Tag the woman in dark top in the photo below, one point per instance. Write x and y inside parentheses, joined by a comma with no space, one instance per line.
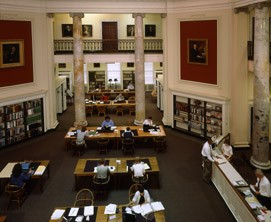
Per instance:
(18,177)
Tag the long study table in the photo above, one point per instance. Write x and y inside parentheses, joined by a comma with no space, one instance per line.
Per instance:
(99,215)
(120,170)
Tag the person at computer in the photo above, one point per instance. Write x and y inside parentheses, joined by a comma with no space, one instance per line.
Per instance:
(141,196)
(81,134)
(138,168)
(19,178)
(107,122)
(227,150)
(130,87)
(127,134)
(207,160)
(262,189)
(102,171)
(119,98)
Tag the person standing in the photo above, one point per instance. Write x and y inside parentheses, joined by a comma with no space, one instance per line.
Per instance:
(207,160)
(227,150)
(262,189)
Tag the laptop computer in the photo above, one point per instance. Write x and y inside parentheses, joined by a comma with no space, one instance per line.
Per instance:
(25,166)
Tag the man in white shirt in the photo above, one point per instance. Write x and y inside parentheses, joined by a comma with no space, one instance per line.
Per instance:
(262,189)
(227,150)
(130,87)
(141,196)
(207,161)
(138,168)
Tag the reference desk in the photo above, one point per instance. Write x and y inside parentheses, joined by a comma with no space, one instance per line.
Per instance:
(232,187)
(101,217)
(85,170)
(40,166)
(115,134)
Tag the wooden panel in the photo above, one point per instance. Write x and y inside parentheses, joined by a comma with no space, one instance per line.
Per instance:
(110,36)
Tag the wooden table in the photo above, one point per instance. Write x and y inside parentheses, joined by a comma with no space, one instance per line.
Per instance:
(120,169)
(6,172)
(101,217)
(115,136)
(111,94)
(110,103)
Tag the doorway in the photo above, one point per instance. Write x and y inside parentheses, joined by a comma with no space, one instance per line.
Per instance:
(110,36)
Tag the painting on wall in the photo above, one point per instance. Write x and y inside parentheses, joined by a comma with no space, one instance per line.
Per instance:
(12,53)
(87,30)
(130,30)
(150,30)
(67,30)
(197,51)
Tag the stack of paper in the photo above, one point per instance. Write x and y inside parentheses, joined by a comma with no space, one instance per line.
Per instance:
(157,206)
(110,209)
(57,214)
(40,170)
(88,210)
(146,209)
(137,209)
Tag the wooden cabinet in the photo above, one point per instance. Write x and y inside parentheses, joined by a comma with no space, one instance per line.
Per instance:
(21,121)
(199,117)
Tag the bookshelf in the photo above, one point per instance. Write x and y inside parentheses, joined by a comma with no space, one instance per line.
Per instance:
(127,77)
(21,121)
(199,117)
(96,79)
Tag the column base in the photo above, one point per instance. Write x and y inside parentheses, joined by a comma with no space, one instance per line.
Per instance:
(260,165)
(138,123)
(81,123)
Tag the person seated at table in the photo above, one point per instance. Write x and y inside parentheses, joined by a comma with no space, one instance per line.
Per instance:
(227,150)
(102,171)
(119,97)
(81,133)
(141,196)
(19,178)
(104,97)
(138,168)
(262,189)
(127,134)
(107,122)
(130,87)
(148,121)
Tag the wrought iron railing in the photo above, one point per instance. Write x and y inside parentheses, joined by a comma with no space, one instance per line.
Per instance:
(96,46)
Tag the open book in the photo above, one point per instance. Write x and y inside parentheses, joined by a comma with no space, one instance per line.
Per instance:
(148,208)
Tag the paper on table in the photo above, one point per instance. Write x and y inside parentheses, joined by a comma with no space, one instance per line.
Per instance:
(99,128)
(79,218)
(253,202)
(70,133)
(57,214)
(137,209)
(157,206)
(40,170)
(146,166)
(110,209)
(88,210)
(154,132)
(146,208)
(73,211)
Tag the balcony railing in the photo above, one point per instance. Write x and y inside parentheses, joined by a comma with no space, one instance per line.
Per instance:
(96,46)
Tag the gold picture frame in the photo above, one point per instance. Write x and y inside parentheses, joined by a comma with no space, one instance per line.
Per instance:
(197,51)
(12,53)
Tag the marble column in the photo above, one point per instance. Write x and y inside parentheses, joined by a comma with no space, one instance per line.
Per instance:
(139,69)
(260,135)
(78,60)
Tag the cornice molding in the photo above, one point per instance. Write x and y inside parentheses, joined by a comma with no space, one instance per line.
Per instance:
(248,8)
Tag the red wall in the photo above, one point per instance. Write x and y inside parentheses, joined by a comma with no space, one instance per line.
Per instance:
(12,30)
(199,30)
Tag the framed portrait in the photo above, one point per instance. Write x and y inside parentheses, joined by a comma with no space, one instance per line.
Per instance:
(130,30)
(67,30)
(197,51)
(12,53)
(87,30)
(150,30)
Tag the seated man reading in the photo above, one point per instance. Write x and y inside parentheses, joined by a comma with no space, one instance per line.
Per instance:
(107,123)
(141,196)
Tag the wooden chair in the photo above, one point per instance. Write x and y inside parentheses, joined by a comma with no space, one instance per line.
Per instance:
(101,110)
(132,191)
(78,149)
(132,110)
(159,143)
(84,197)
(89,110)
(103,145)
(140,180)
(16,194)
(128,145)
(119,110)
(101,186)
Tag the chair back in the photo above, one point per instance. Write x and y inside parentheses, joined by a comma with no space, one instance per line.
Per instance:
(99,181)
(16,194)
(103,144)
(132,191)
(160,143)
(128,145)
(84,197)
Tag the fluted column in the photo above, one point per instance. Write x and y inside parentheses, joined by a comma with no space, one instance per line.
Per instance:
(78,60)
(139,69)
(260,135)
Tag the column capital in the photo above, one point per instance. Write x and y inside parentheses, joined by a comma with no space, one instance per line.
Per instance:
(50,15)
(249,8)
(163,15)
(139,14)
(80,15)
